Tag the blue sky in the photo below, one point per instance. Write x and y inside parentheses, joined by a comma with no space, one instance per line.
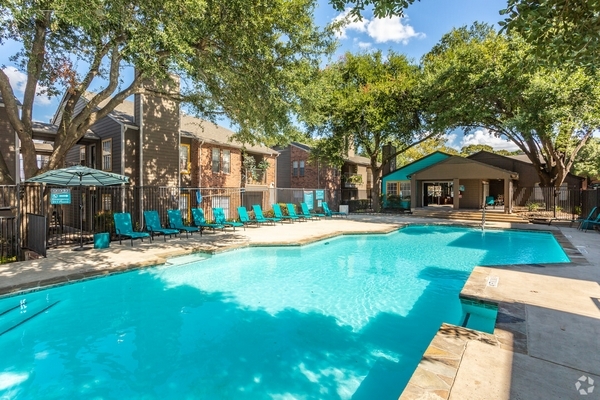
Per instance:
(425,23)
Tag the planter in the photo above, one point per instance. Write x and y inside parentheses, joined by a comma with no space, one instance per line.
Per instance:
(405,204)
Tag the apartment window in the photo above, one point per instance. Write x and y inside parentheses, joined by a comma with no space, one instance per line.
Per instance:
(295,168)
(106,202)
(107,155)
(301,168)
(392,189)
(184,158)
(216,160)
(226,161)
(82,155)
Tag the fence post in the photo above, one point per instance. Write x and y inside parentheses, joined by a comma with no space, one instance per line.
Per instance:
(18,221)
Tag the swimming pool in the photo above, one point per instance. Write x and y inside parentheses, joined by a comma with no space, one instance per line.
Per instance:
(343,318)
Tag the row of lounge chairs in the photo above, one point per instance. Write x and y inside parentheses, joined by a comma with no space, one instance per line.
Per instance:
(124,227)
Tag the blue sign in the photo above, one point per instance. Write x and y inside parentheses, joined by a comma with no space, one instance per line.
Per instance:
(320,194)
(308,199)
(60,196)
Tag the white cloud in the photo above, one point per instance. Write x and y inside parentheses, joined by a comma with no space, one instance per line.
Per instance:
(364,45)
(18,80)
(393,29)
(350,24)
(482,136)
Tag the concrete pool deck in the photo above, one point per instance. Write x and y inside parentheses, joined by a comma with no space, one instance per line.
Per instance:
(547,332)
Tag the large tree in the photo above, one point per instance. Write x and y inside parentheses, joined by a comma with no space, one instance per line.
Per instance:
(245,60)
(366,101)
(479,78)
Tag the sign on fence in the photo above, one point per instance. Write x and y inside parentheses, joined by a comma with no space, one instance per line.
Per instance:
(60,196)
(320,194)
(308,199)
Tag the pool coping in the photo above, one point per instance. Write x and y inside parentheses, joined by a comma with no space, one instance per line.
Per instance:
(436,373)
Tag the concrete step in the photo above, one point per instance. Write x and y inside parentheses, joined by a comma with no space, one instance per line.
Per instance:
(469,215)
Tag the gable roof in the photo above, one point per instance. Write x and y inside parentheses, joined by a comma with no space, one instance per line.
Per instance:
(209,132)
(44,131)
(404,172)
(190,127)
(519,157)
(470,169)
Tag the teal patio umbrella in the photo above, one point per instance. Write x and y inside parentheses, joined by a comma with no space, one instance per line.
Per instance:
(79,175)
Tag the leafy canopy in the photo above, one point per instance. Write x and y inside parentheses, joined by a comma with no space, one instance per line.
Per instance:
(366,101)
(479,78)
(562,32)
(244,60)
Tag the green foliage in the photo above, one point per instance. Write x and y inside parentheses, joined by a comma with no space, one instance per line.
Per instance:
(532,207)
(477,78)
(561,32)
(587,163)
(364,101)
(246,60)
(438,143)
(381,8)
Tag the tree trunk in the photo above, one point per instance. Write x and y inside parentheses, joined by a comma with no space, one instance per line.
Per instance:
(5,177)
(375,190)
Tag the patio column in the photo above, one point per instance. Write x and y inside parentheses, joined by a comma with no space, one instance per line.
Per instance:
(507,195)
(456,190)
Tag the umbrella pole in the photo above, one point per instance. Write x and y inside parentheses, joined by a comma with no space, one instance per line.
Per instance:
(80,218)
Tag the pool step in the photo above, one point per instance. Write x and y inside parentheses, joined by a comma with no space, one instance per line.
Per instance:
(16,316)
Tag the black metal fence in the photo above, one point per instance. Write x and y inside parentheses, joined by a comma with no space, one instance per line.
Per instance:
(557,203)
(91,209)
(8,239)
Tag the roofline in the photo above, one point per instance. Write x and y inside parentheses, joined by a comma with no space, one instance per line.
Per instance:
(519,161)
(422,158)
(511,173)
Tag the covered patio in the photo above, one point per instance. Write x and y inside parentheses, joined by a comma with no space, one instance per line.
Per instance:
(462,183)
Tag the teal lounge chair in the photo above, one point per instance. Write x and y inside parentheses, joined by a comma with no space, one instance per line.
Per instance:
(245,218)
(590,223)
(200,221)
(124,228)
(176,222)
(279,214)
(221,219)
(589,218)
(258,214)
(292,211)
(306,211)
(330,213)
(154,226)
(489,201)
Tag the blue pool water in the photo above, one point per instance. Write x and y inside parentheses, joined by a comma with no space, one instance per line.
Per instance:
(343,318)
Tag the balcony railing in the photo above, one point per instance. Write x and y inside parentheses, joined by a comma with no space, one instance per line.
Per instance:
(352,180)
